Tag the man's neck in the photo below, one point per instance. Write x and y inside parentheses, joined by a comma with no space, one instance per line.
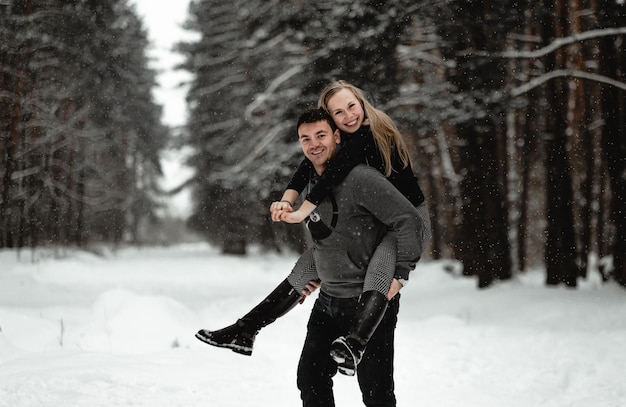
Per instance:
(319,170)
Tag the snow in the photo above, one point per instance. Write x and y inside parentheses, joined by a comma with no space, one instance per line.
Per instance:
(78,329)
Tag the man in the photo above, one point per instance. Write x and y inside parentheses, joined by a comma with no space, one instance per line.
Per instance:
(346,229)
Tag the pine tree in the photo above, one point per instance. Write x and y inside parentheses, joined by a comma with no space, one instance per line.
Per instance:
(84,132)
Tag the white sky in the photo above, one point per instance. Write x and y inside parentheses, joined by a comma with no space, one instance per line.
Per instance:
(164,24)
(164,21)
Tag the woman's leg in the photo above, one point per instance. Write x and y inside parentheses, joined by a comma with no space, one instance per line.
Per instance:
(304,271)
(240,336)
(382,266)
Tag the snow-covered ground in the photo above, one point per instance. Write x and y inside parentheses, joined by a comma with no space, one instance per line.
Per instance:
(83,330)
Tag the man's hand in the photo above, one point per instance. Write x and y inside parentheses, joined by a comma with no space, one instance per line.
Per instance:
(394,289)
(310,287)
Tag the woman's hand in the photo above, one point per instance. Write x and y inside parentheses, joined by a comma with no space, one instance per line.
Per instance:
(293,217)
(300,215)
(285,205)
(279,208)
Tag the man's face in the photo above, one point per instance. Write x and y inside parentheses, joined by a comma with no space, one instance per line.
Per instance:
(318,142)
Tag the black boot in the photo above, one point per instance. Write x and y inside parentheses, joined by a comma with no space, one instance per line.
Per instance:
(347,351)
(239,337)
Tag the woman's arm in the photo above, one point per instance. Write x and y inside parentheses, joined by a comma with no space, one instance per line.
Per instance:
(357,148)
(296,185)
(300,178)
(298,216)
(290,196)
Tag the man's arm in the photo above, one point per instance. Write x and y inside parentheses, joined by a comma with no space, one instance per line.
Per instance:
(378,196)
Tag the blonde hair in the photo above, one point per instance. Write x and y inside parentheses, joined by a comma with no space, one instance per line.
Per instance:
(386,134)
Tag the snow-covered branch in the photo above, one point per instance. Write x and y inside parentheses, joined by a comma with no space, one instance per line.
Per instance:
(260,147)
(562,42)
(540,80)
(421,53)
(215,87)
(262,97)
(553,46)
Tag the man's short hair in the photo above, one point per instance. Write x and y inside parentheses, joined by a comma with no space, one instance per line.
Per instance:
(315,115)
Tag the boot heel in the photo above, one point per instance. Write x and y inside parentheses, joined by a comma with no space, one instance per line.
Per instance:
(345,356)
(232,337)
(348,351)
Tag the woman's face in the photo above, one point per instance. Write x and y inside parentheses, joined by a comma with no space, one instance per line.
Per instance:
(346,111)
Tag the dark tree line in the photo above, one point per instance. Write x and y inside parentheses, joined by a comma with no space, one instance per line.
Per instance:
(80,134)
(515,111)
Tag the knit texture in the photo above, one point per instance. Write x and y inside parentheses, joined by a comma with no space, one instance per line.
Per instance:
(382,266)
(304,271)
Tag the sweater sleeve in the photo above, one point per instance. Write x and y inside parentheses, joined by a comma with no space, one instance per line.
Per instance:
(378,196)
(354,150)
(300,178)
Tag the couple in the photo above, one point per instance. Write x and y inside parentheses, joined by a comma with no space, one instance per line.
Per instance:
(368,234)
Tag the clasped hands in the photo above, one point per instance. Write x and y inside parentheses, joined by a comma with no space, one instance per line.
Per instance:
(283,211)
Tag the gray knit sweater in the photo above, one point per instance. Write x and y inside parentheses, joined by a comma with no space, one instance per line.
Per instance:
(367,204)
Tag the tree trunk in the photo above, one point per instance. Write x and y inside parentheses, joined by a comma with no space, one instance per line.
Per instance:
(578,145)
(560,244)
(614,146)
(483,245)
(431,186)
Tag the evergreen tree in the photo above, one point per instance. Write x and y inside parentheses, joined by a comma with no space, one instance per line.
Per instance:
(472,33)
(503,102)
(236,124)
(83,133)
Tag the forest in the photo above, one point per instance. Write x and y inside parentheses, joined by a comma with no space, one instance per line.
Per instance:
(81,135)
(514,112)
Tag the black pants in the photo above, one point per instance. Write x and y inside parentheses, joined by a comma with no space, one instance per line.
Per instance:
(331,317)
